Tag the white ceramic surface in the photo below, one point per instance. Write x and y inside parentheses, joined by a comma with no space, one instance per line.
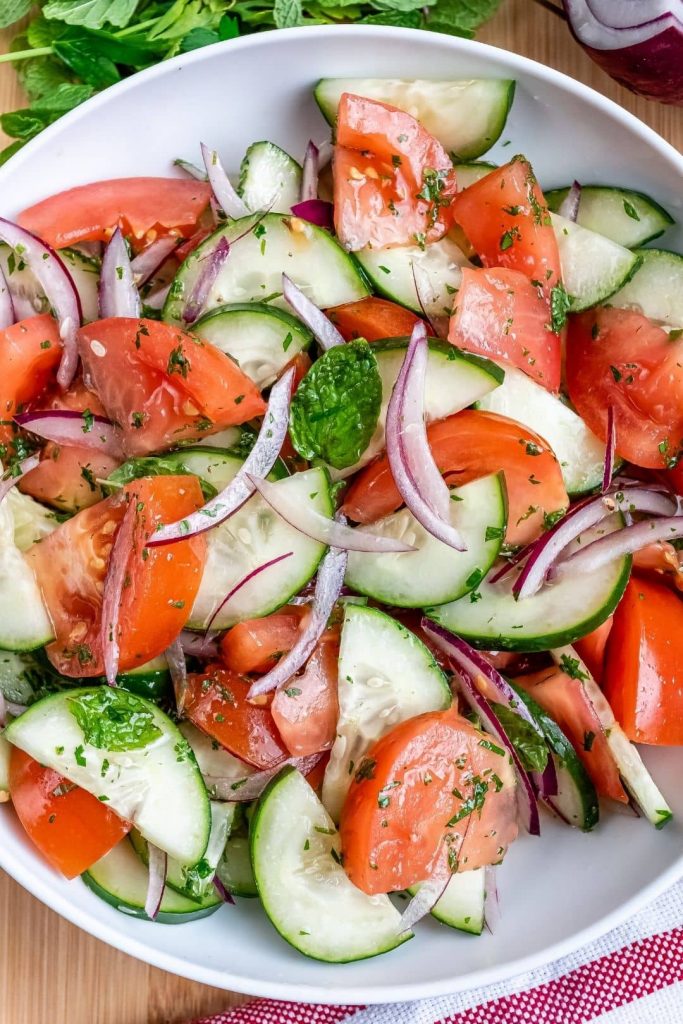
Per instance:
(558,891)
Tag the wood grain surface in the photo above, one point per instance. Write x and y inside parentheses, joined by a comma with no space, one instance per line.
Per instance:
(52,973)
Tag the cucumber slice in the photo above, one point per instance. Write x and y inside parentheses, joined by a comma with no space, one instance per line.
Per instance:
(213,760)
(557,614)
(593,267)
(252,536)
(466,117)
(269,178)
(28,296)
(151,680)
(434,573)
(5,751)
(386,675)
(231,437)
(462,904)
(32,521)
(438,269)
(627,217)
(24,622)
(120,879)
(234,869)
(634,774)
(305,891)
(158,786)
(580,453)
(656,289)
(261,249)
(261,339)
(468,174)
(576,799)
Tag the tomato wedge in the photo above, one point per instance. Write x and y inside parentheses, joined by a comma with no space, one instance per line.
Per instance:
(306,711)
(591,648)
(256,644)
(373,319)
(619,358)
(565,700)
(217,704)
(67,477)
(142,207)
(465,447)
(643,678)
(499,314)
(393,182)
(162,385)
(432,790)
(30,352)
(71,828)
(662,559)
(71,566)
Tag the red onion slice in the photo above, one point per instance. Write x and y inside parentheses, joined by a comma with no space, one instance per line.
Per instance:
(309,177)
(415,473)
(222,891)
(425,899)
(491,900)
(113,589)
(258,463)
(212,264)
(315,211)
(157,866)
(226,197)
(569,207)
(242,583)
(175,656)
(7,314)
(152,257)
(197,645)
(56,282)
(68,427)
(251,786)
(616,545)
(328,586)
(8,482)
(321,326)
(3,710)
(117,292)
(610,450)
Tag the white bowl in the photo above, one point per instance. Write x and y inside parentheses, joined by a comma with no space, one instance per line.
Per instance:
(558,891)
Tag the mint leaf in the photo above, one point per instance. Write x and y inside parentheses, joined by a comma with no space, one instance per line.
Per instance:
(529,744)
(41,32)
(460,17)
(197,38)
(400,19)
(287,13)
(42,76)
(336,406)
(113,719)
(13,10)
(91,13)
(84,59)
(62,99)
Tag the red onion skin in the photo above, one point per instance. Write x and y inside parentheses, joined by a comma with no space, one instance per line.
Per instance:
(315,211)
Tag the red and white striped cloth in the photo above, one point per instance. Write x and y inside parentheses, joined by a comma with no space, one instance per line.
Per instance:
(632,975)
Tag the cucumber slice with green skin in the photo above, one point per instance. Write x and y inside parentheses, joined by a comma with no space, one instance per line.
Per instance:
(438,269)
(120,879)
(386,675)
(234,869)
(634,774)
(261,339)
(462,904)
(593,267)
(434,573)
(576,799)
(5,751)
(467,117)
(158,787)
(32,521)
(213,760)
(469,174)
(24,622)
(151,680)
(557,614)
(656,289)
(231,437)
(248,539)
(29,298)
(580,453)
(307,895)
(269,178)
(261,249)
(627,217)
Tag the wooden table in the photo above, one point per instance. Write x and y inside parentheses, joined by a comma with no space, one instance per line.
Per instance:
(49,970)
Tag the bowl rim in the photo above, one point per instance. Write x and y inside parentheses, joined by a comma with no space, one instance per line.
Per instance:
(342,993)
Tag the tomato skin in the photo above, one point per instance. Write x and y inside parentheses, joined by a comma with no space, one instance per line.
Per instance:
(620,358)
(71,566)
(643,679)
(307,719)
(217,704)
(444,749)
(374,319)
(499,314)
(72,830)
(30,352)
(467,446)
(591,648)
(384,159)
(66,477)
(142,207)
(162,385)
(252,645)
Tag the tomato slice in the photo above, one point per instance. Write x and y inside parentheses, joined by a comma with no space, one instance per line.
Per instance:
(619,358)
(663,560)
(499,314)
(306,711)
(162,385)
(67,477)
(217,704)
(142,207)
(30,352)
(71,566)
(255,644)
(465,447)
(591,648)
(431,790)
(373,319)
(393,182)
(565,700)
(71,828)
(505,217)
(643,679)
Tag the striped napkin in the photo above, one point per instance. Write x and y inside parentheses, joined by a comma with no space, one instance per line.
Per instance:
(632,975)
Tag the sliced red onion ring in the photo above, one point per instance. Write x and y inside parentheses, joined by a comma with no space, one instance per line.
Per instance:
(230,203)
(212,264)
(615,545)
(175,656)
(197,645)
(153,256)
(425,899)
(421,282)
(242,583)
(415,473)
(157,866)
(7,314)
(56,282)
(309,177)
(251,786)
(190,168)
(315,211)
(3,710)
(569,207)
(258,463)
(222,891)
(117,292)
(7,483)
(491,901)
(327,589)
(68,427)
(610,450)
(113,589)
(322,327)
